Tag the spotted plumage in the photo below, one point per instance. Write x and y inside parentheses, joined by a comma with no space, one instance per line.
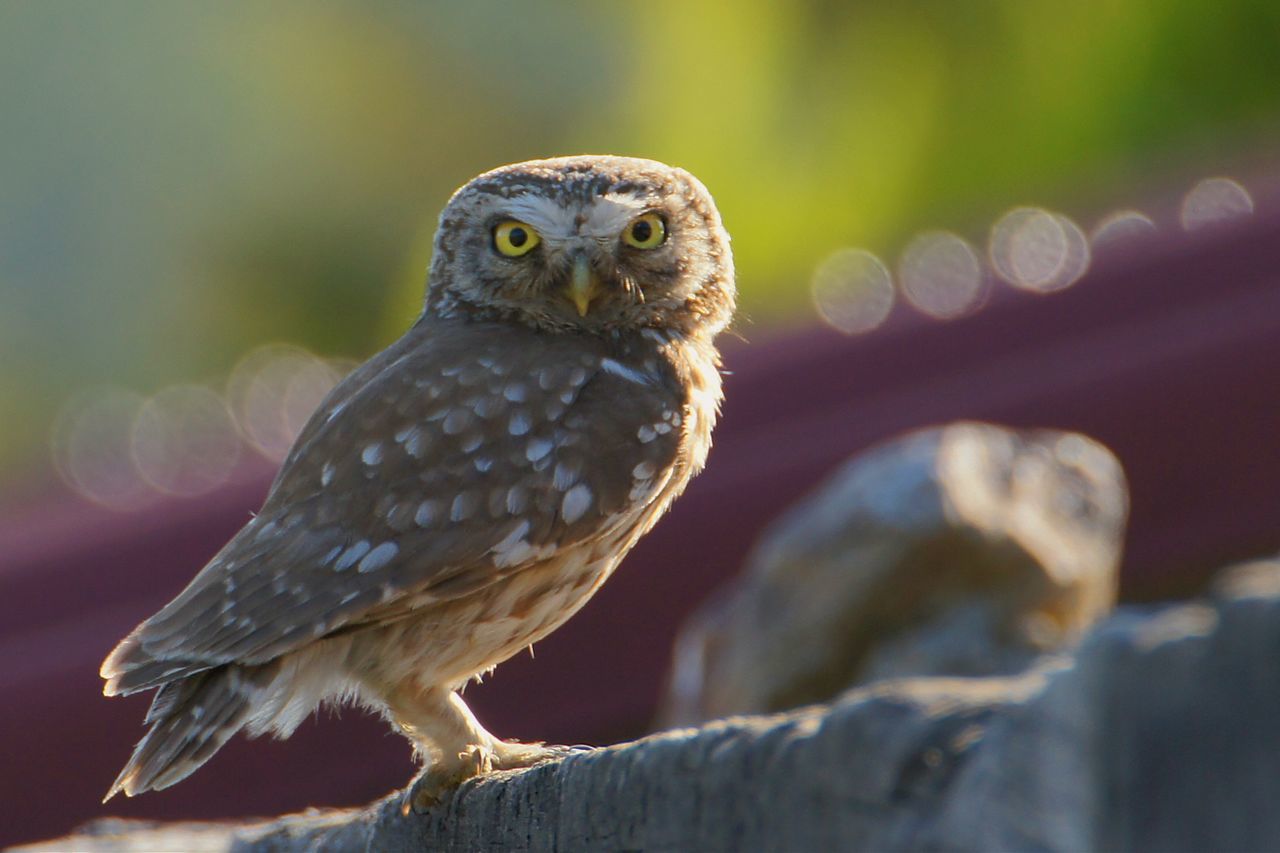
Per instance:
(462,493)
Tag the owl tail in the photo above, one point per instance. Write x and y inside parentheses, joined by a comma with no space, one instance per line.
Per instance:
(190,720)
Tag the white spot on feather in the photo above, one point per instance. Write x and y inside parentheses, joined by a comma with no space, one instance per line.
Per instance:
(517,499)
(644,490)
(463,505)
(619,369)
(426,514)
(379,557)
(326,474)
(372,454)
(536,449)
(514,549)
(351,555)
(576,503)
(566,475)
(520,423)
(512,539)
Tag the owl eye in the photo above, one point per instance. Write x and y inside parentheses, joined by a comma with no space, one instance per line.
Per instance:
(646,232)
(513,238)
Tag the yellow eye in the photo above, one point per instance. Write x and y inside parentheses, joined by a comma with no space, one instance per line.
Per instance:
(514,239)
(646,232)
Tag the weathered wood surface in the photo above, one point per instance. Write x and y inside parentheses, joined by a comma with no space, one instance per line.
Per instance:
(1159,733)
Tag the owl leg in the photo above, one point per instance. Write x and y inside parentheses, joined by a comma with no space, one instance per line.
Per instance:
(455,744)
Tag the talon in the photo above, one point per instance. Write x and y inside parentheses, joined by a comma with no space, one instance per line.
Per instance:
(440,779)
(479,760)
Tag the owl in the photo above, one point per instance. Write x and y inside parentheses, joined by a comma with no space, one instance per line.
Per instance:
(461,494)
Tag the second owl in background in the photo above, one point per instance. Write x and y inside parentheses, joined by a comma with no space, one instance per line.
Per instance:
(465,491)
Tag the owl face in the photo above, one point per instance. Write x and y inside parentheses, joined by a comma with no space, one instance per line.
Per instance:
(592,244)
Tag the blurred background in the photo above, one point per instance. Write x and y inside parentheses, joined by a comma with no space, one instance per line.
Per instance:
(209,211)
(183,182)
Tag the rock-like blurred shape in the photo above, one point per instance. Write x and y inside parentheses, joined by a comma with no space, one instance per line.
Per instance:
(965,550)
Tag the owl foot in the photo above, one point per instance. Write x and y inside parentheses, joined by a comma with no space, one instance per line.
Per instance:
(439,778)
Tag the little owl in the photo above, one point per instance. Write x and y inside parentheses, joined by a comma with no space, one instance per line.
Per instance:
(465,491)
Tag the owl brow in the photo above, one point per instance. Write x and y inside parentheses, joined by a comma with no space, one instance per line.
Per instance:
(546,216)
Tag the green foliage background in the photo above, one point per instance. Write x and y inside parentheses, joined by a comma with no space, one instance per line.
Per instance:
(180,181)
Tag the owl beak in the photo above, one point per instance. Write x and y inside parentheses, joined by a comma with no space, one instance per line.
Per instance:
(583,284)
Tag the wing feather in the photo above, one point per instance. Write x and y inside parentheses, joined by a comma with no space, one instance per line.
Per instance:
(429,471)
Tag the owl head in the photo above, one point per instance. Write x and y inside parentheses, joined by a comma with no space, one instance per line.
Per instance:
(585,244)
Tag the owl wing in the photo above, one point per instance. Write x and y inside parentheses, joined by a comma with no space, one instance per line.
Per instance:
(461,454)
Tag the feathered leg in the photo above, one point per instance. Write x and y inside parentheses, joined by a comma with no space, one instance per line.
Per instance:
(454,744)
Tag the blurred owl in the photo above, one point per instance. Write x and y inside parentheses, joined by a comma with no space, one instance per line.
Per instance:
(465,491)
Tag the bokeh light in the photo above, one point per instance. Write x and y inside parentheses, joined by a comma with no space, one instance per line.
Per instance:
(1215,200)
(1038,250)
(941,275)
(331,134)
(184,441)
(273,390)
(92,447)
(1122,227)
(853,291)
